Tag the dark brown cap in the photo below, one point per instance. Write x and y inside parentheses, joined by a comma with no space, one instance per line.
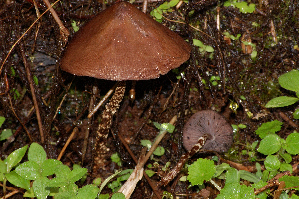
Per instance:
(213,124)
(123,43)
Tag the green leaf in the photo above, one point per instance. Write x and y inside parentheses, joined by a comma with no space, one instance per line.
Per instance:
(167,127)
(236,191)
(39,188)
(268,128)
(272,163)
(37,153)
(270,144)
(88,191)
(62,171)
(74,26)
(159,151)
(220,169)
(49,167)
(2,119)
(198,43)
(232,176)
(150,173)
(115,158)
(287,157)
(146,143)
(290,80)
(281,101)
(104,196)
(77,174)
(296,114)
(292,143)
(118,196)
(35,79)
(173,3)
(246,175)
(15,157)
(209,49)
(6,133)
(294,196)
(244,8)
(17,180)
(290,181)
(29,170)
(201,170)
(286,167)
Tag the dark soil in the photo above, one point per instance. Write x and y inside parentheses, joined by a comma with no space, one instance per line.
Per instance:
(63,99)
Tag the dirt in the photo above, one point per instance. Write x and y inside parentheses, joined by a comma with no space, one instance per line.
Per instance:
(246,83)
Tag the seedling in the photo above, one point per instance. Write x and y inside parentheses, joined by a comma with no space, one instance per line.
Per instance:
(242,6)
(163,8)
(203,48)
(288,81)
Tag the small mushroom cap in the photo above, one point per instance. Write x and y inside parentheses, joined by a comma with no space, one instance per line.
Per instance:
(212,123)
(123,43)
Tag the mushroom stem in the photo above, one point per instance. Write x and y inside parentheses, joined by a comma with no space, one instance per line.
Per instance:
(171,175)
(101,149)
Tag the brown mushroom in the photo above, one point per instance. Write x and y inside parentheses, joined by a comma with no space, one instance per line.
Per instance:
(123,43)
(212,124)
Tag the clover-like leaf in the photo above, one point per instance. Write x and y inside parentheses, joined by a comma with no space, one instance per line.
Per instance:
(201,170)
(37,153)
(29,170)
(292,143)
(236,191)
(270,144)
(272,163)
(15,157)
(268,128)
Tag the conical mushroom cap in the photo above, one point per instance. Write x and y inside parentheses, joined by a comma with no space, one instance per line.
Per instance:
(123,43)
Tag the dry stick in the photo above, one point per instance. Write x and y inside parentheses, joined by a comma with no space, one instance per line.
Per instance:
(68,142)
(156,143)
(144,6)
(136,175)
(102,101)
(153,186)
(10,194)
(15,44)
(29,77)
(171,175)
(63,29)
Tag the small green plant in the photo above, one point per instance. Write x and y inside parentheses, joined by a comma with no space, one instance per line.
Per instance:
(5,133)
(288,81)
(203,48)
(163,8)
(242,6)
(232,37)
(42,177)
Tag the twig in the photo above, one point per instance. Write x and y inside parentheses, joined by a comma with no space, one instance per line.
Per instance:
(178,167)
(63,30)
(23,125)
(67,142)
(29,77)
